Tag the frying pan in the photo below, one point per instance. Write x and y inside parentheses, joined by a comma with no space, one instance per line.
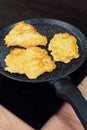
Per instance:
(58,78)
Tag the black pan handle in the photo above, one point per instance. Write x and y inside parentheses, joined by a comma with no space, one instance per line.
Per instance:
(70,93)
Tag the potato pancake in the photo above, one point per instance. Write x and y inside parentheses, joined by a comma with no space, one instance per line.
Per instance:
(32,62)
(63,47)
(24,35)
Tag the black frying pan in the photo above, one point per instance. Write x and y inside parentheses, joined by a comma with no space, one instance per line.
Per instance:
(58,78)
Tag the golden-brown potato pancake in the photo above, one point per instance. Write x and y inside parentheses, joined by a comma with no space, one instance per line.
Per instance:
(63,47)
(33,62)
(24,35)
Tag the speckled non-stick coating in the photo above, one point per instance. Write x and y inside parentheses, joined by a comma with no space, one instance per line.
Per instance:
(46,27)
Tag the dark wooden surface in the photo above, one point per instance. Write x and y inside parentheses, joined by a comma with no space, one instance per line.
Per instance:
(38,100)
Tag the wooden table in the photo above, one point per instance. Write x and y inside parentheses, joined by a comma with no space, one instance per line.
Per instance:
(65,119)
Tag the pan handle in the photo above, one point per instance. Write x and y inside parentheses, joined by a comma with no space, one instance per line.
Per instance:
(70,93)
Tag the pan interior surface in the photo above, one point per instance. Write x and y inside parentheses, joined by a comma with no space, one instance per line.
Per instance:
(47,27)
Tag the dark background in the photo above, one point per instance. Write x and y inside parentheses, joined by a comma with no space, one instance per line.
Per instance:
(36,103)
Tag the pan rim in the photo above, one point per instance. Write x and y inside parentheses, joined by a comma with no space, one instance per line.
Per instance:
(51,21)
